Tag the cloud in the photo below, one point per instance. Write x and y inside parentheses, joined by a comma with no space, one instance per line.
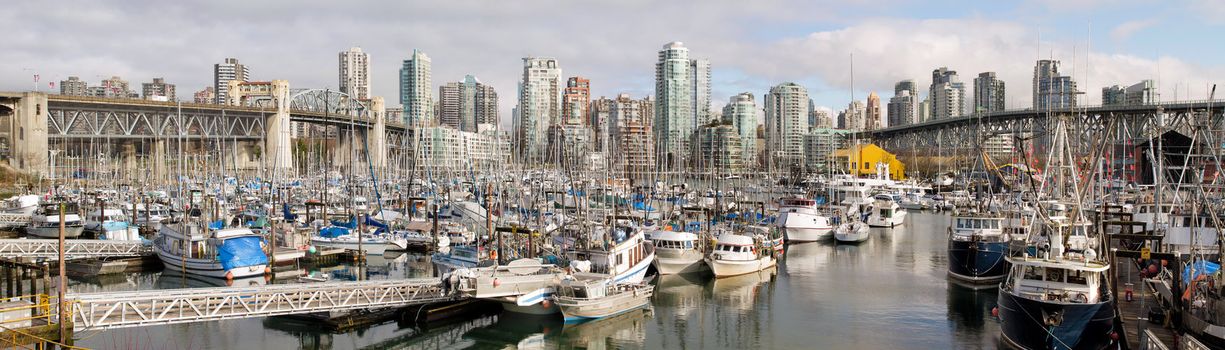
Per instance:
(1212,11)
(1127,29)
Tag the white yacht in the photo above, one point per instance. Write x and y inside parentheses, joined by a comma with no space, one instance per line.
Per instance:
(885,211)
(150,216)
(852,231)
(45,223)
(677,252)
(459,257)
(737,254)
(801,221)
(348,239)
(230,253)
(24,204)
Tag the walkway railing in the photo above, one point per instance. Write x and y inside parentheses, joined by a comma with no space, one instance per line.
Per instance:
(97,311)
(73,249)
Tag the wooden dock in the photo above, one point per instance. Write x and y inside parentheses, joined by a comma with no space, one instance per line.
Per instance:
(1135,314)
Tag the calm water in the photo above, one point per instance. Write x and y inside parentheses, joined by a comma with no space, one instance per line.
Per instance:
(889,292)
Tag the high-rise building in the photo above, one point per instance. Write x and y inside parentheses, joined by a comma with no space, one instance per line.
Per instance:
(819,118)
(539,106)
(74,86)
(872,116)
(598,116)
(786,123)
(1114,95)
(674,115)
(853,116)
(947,94)
(924,110)
(576,101)
(158,90)
(988,93)
(416,90)
(449,110)
(741,111)
(819,147)
(355,73)
(717,147)
(1052,90)
(699,77)
(482,100)
(223,73)
(904,105)
(207,95)
(631,148)
(115,87)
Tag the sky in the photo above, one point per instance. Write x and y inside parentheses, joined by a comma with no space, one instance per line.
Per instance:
(752,45)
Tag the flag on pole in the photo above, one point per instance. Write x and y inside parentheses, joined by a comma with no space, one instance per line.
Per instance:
(36,78)
(52,84)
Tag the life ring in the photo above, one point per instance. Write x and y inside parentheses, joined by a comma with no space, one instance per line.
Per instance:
(1081,298)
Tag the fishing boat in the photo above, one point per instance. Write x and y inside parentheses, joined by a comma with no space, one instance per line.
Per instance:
(111,224)
(151,216)
(885,211)
(459,257)
(977,247)
(230,253)
(737,254)
(372,244)
(584,298)
(45,223)
(626,260)
(677,252)
(24,205)
(801,221)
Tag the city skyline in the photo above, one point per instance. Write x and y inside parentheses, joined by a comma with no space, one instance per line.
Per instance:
(1125,42)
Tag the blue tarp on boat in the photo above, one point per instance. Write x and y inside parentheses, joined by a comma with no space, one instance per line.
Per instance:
(1201,268)
(241,252)
(333,232)
(216,225)
(372,222)
(351,224)
(288,216)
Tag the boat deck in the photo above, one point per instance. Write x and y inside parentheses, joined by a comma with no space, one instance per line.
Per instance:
(1135,313)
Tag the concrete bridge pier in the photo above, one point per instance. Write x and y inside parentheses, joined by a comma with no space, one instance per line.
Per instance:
(378,137)
(29,134)
(279,155)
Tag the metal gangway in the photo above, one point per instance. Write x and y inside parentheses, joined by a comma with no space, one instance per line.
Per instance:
(13,220)
(73,248)
(110,310)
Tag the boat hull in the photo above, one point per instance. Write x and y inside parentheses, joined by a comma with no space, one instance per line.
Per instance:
(978,262)
(1023,324)
(375,248)
(207,268)
(54,231)
(588,310)
(728,268)
(672,262)
(808,234)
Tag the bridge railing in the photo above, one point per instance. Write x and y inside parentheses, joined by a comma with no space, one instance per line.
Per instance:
(73,249)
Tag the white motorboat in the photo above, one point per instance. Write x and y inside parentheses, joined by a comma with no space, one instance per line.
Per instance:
(372,244)
(459,257)
(584,298)
(801,221)
(24,204)
(738,254)
(229,253)
(45,223)
(885,211)
(150,216)
(677,252)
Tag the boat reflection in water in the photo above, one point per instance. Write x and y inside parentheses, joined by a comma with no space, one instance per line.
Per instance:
(969,310)
(627,330)
(523,331)
(741,292)
(170,279)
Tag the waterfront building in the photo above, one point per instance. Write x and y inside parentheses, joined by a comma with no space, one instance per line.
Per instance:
(539,106)
(741,111)
(872,116)
(569,143)
(74,86)
(467,104)
(449,110)
(988,93)
(576,101)
(924,112)
(158,90)
(450,149)
(598,116)
(869,160)
(224,73)
(1114,95)
(819,118)
(999,147)
(904,104)
(819,147)
(716,148)
(1052,90)
(416,90)
(947,94)
(786,123)
(114,87)
(674,115)
(354,68)
(207,95)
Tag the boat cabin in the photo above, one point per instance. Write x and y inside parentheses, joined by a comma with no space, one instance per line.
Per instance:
(1062,282)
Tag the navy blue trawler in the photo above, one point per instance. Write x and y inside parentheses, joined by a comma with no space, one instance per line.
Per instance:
(978,247)
(1055,295)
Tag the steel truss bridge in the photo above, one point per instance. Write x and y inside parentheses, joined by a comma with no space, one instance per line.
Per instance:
(1088,123)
